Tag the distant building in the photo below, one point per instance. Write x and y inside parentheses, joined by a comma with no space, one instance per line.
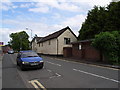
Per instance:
(34,43)
(54,43)
(5,49)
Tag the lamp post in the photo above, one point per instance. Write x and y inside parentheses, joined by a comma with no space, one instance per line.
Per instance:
(30,30)
(31,36)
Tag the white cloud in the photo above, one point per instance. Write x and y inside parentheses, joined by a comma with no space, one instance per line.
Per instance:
(14,7)
(4,34)
(55,4)
(38,28)
(7,5)
(74,22)
(40,9)
(93,2)
(27,5)
(56,16)
(70,5)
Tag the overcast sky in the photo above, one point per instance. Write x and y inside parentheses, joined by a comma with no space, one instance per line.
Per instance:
(43,17)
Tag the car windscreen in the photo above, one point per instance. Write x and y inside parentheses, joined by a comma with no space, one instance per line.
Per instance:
(29,54)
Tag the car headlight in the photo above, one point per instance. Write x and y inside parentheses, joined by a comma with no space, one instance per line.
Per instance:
(41,61)
(25,62)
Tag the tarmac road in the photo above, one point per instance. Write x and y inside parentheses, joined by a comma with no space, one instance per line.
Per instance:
(58,73)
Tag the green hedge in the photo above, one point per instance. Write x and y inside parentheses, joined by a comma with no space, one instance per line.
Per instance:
(109,44)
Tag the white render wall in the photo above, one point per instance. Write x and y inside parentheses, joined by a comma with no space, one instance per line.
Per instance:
(48,49)
(66,34)
(34,46)
(52,48)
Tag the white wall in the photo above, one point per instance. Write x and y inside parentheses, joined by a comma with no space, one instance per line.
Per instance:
(66,34)
(34,46)
(52,48)
(48,49)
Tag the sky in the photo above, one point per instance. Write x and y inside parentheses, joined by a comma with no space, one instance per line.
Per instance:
(43,17)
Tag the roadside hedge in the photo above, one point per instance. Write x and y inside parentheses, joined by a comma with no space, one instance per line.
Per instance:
(108,43)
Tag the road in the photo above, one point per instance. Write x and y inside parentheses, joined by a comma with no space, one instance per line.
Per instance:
(58,73)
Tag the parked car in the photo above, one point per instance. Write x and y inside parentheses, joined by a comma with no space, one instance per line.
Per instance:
(29,59)
(10,52)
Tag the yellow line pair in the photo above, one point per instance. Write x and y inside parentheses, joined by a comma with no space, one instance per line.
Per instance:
(35,83)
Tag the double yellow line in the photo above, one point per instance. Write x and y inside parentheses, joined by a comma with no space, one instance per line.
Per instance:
(37,85)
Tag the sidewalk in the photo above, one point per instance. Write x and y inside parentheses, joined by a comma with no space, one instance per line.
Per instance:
(86,62)
(1,56)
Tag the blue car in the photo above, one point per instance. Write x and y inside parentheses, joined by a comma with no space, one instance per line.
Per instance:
(29,59)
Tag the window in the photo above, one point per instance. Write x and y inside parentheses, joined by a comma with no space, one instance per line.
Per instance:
(39,44)
(66,40)
(42,44)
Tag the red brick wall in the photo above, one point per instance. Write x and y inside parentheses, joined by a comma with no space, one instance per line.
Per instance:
(87,52)
(77,53)
(91,54)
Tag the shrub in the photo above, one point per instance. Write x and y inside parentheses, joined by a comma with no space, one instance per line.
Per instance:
(106,43)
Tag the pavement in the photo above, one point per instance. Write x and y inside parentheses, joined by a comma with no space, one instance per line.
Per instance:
(1,56)
(10,76)
(86,62)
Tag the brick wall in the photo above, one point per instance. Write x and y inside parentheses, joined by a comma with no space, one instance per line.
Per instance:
(91,53)
(87,52)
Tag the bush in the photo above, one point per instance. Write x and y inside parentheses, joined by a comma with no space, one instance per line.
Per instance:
(108,43)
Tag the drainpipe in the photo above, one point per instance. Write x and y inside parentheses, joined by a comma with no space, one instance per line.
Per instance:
(57,47)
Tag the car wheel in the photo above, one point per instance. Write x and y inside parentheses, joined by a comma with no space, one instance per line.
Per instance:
(22,68)
(40,67)
(17,63)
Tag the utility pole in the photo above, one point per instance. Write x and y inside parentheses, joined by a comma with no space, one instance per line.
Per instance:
(31,36)
(30,30)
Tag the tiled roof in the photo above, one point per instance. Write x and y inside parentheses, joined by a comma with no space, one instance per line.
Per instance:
(54,35)
(37,38)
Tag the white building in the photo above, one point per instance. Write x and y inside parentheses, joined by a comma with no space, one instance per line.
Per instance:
(53,44)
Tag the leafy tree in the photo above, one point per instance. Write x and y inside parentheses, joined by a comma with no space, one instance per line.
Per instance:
(101,19)
(19,41)
(117,35)
(93,24)
(108,44)
(113,17)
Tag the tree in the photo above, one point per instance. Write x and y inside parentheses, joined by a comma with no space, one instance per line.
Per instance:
(101,19)
(107,43)
(113,17)
(93,24)
(19,41)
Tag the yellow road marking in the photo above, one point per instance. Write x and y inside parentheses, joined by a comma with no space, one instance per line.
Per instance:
(40,84)
(33,82)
